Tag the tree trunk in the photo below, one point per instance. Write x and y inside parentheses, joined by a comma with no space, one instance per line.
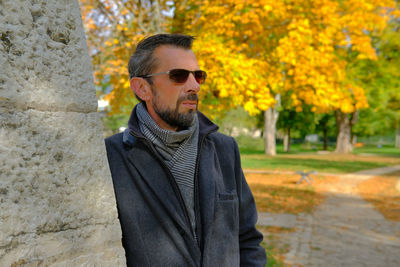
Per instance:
(397,142)
(354,139)
(286,141)
(270,118)
(325,137)
(343,141)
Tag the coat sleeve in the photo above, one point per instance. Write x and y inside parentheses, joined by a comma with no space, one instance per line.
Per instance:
(251,252)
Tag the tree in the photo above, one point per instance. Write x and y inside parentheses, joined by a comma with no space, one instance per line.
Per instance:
(389,59)
(326,125)
(229,84)
(239,30)
(290,122)
(307,46)
(115,26)
(254,51)
(381,79)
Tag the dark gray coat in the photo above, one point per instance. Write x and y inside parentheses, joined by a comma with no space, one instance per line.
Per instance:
(155,225)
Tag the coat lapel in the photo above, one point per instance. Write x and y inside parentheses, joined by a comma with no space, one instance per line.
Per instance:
(154,175)
(206,176)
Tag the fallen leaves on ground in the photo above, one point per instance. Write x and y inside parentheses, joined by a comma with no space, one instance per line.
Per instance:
(382,193)
(280,193)
(277,244)
(276,229)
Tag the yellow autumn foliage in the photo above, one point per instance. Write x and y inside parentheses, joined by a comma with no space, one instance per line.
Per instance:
(251,50)
(304,44)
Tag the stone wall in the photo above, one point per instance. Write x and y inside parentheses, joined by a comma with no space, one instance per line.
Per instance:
(57,205)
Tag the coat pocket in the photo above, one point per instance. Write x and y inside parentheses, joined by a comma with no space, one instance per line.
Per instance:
(227,196)
(227,209)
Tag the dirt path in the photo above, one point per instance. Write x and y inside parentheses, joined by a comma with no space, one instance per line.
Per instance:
(345,230)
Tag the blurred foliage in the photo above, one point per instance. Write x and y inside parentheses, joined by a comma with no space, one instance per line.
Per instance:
(381,79)
(113,123)
(236,119)
(320,55)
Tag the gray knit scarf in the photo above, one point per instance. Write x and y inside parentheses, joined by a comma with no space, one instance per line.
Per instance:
(179,151)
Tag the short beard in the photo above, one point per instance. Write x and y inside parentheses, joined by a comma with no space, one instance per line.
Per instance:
(174,118)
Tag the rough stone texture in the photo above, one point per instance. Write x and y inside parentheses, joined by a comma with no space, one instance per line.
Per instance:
(57,204)
(43,56)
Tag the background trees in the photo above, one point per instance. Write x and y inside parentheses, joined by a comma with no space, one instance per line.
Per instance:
(266,56)
(113,28)
(381,80)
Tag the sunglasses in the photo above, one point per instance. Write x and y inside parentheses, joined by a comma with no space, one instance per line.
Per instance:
(181,75)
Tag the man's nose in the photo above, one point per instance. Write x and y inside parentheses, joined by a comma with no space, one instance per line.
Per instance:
(191,84)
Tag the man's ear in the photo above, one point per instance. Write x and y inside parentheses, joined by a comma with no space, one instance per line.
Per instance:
(141,88)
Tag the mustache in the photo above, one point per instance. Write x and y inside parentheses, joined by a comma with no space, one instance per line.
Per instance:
(191,97)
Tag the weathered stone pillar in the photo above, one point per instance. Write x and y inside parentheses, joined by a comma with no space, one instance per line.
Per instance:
(57,205)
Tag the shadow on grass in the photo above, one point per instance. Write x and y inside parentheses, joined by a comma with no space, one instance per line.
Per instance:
(293,164)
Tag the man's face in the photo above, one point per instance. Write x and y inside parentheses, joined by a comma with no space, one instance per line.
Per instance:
(173,105)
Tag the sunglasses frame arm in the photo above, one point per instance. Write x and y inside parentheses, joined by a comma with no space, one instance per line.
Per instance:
(153,74)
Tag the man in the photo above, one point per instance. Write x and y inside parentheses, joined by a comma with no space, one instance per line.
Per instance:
(181,195)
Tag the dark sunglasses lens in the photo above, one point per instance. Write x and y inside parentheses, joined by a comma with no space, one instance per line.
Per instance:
(178,75)
(181,75)
(200,76)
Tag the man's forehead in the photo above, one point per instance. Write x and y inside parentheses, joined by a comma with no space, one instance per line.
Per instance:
(169,48)
(174,57)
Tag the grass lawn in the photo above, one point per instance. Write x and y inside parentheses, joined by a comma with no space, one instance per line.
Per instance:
(389,151)
(248,145)
(305,157)
(331,162)
(322,163)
